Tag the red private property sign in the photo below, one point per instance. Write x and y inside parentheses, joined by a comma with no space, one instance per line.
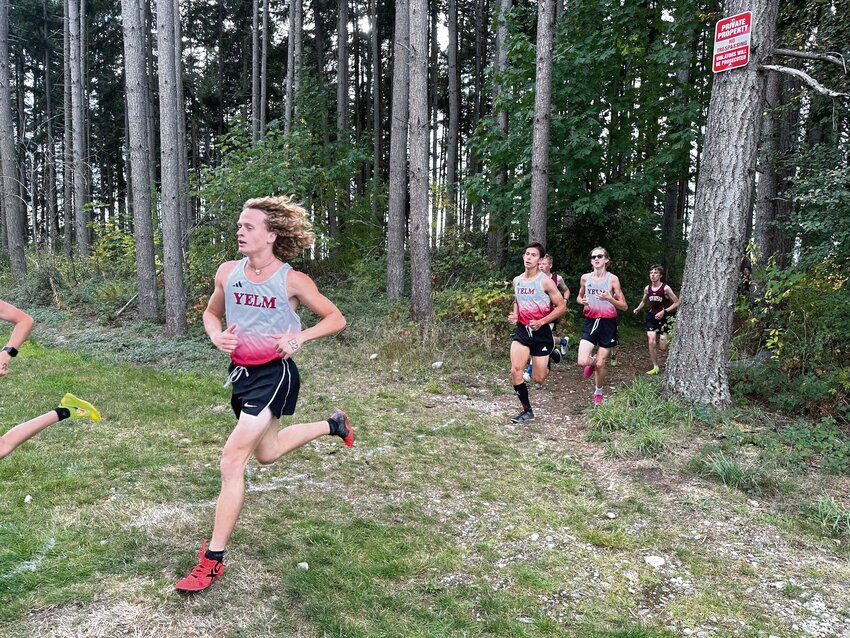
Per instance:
(732,42)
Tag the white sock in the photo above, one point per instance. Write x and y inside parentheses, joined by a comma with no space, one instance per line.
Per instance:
(598,390)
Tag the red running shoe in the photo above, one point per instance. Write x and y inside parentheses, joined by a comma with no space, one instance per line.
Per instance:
(588,370)
(341,427)
(597,399)
(204,574)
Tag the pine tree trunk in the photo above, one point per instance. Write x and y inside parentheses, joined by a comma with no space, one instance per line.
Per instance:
(264,70)
(14,219)
(454,120)
(397,204)
(78,125)
(420,255)
(290,71)
(67,140)
(542,117)
(495,231)
(376,109)
(132,12)
(697,367)
(255,74)
(169,107)
(50,145)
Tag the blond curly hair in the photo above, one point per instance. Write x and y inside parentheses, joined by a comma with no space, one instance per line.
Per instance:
(288,220)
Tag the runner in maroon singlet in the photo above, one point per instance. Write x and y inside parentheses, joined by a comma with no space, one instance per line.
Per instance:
(662,303)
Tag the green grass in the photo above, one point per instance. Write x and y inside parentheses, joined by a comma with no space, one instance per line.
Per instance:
(439,522)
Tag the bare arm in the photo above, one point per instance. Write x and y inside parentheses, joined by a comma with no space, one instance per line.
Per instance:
(562,286)
(581,298)
(214,314)
(23,324)
(617,298)
(513,317)
(331,319)
(644,300)
(672,296)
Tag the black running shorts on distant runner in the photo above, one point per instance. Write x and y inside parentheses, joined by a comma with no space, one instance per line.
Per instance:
(539,342)
(272,385)
(600,332)
(654,325)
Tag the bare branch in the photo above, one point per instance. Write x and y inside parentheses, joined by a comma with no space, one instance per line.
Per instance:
(805,55)
(817,86)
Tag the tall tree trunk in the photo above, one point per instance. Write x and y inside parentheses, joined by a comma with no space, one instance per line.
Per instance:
(182,152)
(67,139)
(290,71)
(338,207)
(542,117)
(264,70)
(678,168)
(420,254)
(14,218)
(299,55)
(169,108)
(255,74)
(764,210)
(376,109)
(132,13)
(434,68)
(78,125)
(397,204)
(495,231)
(697,367)
(454,120)
(49,147)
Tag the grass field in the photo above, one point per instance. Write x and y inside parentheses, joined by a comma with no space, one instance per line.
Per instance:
(441,521)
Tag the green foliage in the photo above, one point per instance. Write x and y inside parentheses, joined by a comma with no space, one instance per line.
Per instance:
(640,407)
(299,165)
(829,516)
(750,477)
(485,305)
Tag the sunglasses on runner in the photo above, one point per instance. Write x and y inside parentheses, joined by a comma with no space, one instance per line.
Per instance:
(597,256)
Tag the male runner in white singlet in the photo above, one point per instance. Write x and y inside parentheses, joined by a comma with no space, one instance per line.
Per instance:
(602,297)
(538,303)
(258,296)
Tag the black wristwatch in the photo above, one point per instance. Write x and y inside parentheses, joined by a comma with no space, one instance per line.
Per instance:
(13,352)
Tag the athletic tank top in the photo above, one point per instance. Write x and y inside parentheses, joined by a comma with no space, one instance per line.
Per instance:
(657,299)
(261,312)
(533,302)
(596,308)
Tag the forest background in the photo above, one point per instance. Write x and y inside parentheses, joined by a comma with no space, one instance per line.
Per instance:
(429,142)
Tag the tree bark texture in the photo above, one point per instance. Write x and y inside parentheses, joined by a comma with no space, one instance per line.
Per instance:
(397,204)
(255,73)
(420,255)
(697,366)
(495,230)
(78,127)
(67,141)
(542,117)
(132,13)
(169,109)
(454,120)
(15,222)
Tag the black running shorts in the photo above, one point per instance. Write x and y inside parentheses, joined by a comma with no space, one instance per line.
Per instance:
(272,385)
(539,342)
(654,325)
(600,332)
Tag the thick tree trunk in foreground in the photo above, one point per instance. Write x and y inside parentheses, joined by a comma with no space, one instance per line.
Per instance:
(420,255)
(697,367)
(397,204)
